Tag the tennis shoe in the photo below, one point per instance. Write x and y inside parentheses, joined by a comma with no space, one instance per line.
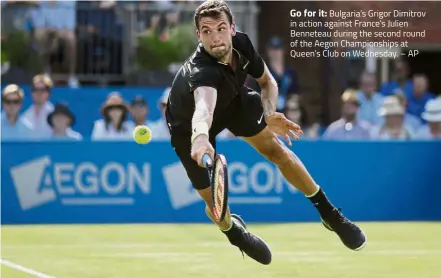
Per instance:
(350,234)
(248,243)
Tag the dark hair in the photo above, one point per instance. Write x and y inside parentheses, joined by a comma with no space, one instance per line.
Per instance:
(212,8)
(107,120)
(304,119)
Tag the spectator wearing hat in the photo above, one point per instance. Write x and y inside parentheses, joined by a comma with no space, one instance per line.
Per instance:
(348,127)
(410,120)
(37,113)
(13,126)
(61,120)
(420,95)
(393,127)
(370,100)
(114,126)
(159,128)
(139,110)
(432,115)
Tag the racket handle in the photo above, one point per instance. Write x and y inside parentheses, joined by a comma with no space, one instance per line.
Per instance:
(206,160)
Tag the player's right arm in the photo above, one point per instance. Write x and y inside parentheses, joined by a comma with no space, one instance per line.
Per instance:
(205,103)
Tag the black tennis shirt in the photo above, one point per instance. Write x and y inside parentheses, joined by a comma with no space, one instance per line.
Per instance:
(201,69)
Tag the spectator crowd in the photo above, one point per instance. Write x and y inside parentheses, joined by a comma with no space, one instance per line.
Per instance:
(402,109)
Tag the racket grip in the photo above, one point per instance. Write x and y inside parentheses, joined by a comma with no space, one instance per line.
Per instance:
(206,160)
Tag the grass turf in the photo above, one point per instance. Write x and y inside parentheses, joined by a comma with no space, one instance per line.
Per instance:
(401,250)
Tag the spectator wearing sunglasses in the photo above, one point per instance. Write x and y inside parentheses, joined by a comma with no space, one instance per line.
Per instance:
(14,127)
(41,107)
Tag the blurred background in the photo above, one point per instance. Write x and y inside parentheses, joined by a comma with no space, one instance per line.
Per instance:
(77,77)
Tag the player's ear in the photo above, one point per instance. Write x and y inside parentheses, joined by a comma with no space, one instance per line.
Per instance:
(233,29)
(198,34)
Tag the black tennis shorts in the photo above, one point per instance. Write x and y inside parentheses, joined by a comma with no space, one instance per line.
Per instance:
(243,117)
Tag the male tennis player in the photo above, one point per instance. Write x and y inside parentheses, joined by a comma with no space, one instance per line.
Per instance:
(208,96)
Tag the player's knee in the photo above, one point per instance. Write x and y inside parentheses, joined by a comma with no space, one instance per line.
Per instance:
(276,153)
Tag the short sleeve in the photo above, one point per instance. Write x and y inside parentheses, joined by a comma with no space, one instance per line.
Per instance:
(256,66)
(208,76)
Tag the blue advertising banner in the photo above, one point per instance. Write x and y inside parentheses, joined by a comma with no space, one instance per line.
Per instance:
(88,182)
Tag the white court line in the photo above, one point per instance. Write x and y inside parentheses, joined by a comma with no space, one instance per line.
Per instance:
(301,254)
(366,252)
(24,269)
(221,243)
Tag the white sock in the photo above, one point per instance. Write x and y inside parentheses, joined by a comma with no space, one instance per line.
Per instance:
(313,194)
(229,227)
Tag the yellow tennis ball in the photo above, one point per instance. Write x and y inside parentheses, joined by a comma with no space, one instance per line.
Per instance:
(142,134)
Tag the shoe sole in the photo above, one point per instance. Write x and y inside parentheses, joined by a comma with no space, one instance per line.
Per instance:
(364,243)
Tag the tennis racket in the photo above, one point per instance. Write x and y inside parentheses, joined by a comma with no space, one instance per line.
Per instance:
(218,175)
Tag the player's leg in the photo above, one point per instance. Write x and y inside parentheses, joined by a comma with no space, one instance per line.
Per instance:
(267,144)
(232,226)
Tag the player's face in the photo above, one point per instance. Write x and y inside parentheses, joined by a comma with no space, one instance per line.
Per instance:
(216,35)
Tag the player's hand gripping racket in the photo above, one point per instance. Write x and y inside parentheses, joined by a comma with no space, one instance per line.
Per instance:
(218,175)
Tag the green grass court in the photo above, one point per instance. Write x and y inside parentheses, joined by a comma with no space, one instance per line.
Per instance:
(399,250)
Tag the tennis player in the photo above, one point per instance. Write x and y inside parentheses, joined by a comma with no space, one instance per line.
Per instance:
(208,96)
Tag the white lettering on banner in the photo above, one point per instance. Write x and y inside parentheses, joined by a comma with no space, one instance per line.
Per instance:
(142,179)
(254,178)
(91,187)
(260,183)
(244,179)
(241,185)
(38,182)
(105,173)
(63,174)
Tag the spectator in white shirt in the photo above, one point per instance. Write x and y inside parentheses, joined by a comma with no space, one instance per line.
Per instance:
(432,114)
(348,127)
(61,120)
(410,120)
(370,99)
(393,127)
(37,113)
(159,128)
(114,126)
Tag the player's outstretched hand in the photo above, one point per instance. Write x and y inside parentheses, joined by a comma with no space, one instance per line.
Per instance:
(281,126)
(201,146)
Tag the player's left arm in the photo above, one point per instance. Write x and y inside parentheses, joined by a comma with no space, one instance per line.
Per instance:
(277,122)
